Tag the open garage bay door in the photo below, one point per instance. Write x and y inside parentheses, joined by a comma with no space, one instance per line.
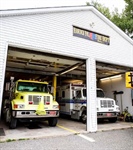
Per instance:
(105,70)
(39,65)
(29,64)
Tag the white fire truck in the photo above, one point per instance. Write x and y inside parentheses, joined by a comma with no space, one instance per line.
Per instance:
(72,101)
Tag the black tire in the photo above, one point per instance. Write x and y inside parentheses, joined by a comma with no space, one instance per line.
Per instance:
(112,120)
(100,120)
(84,116)
(5,106)
(52,122)
(13,121)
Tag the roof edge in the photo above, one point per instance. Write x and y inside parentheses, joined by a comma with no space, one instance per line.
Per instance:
(13,12)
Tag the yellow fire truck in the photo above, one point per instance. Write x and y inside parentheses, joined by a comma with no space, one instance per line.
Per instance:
(29,101)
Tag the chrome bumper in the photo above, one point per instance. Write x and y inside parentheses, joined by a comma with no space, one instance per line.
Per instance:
(32,114)
(107,114)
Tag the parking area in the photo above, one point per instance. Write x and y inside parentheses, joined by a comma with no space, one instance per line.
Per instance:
(64,127)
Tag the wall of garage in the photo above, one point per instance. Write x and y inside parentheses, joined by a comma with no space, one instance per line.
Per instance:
(51,30)
(118,84)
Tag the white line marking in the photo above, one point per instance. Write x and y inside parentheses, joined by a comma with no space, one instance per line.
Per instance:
(86,137)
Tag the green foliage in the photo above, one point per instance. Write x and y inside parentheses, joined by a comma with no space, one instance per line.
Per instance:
(123,20)
(128,16)
(129,8)
(104,10)
(23,139)
(10,140)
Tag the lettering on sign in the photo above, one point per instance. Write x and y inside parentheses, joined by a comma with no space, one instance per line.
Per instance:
(90,35)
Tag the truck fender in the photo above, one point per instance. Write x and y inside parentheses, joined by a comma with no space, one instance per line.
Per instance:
(14,101)
(82,109)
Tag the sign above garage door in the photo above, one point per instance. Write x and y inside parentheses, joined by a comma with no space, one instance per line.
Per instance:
(90,35)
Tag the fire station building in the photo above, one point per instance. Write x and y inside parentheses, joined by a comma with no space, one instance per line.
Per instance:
(74,43)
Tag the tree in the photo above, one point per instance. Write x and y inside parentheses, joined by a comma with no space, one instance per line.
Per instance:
(123,20)
(104,10)
(128,17)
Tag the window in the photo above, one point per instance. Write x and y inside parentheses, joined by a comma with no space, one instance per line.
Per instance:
(100,93)
(72,93)
(78,94)
(32,87)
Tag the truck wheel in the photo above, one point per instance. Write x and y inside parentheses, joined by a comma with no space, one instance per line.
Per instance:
(13,123)
(12,120)
(113,120)
(52,122)
(83,116)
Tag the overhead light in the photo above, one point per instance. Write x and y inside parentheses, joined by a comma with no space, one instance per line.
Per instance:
(73,81)
(69,70)
(113,77)
(117,76)
(105,79)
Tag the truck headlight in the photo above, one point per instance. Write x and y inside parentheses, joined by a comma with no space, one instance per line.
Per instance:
(55,106)
(118,108)
(18,106)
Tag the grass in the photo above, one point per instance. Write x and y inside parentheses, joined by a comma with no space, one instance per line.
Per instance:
(12,140)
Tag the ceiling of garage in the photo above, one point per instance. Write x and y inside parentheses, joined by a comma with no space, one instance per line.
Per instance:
(38,65)
(26,64)
(108,70)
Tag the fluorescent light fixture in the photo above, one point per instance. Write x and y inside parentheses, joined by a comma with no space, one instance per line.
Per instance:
(105,79)
(69,70)
(117,76)
(113,77)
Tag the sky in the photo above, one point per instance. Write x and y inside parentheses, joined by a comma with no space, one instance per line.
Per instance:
(18,4)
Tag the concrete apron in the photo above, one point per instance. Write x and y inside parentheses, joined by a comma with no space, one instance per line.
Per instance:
(64,127)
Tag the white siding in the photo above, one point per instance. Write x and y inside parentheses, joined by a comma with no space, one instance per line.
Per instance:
(54,32)
(3,54)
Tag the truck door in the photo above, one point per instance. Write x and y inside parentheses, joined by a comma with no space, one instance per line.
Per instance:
(77,99)
(62,102)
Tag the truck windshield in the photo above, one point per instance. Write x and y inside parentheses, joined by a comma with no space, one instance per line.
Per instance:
(32,87)
(100,93)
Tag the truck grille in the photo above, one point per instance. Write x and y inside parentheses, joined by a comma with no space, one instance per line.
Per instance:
(36,99)
(107,103)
